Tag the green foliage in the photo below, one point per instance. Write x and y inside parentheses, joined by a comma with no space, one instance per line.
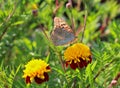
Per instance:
(23,37)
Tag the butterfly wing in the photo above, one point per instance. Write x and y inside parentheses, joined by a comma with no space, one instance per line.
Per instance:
(62,33)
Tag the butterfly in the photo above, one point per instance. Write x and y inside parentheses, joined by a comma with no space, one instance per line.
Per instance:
(62,33)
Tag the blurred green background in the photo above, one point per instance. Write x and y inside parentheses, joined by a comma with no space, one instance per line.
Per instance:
(21,38)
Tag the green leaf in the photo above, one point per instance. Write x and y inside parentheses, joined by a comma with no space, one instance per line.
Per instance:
(90,76)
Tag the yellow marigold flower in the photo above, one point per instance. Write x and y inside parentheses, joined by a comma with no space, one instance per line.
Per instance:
(77,55)
(36,69)
(35,9)
(34,6)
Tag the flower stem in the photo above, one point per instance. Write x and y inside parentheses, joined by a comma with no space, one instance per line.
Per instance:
(61,61)
(7,19)
(85,18)
(43,30)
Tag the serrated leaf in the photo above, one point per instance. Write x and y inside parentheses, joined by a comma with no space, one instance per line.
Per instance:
(93,66)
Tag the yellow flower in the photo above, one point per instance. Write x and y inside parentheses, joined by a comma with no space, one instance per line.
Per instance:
(77,55)
(36,69)
(34,9)
(34,6)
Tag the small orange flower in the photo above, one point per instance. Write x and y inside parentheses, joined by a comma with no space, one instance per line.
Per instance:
(36,69)
(77,55)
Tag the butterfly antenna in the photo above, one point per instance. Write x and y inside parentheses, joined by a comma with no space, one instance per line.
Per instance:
(85,18)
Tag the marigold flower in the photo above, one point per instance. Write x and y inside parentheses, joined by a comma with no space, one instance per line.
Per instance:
(34,6)
(35,9)
(77,56)
(36,69)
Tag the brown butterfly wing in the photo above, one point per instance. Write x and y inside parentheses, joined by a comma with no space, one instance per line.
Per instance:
(59,23)
(62,33)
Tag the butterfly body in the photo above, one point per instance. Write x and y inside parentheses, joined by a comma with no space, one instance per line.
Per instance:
(62,34)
